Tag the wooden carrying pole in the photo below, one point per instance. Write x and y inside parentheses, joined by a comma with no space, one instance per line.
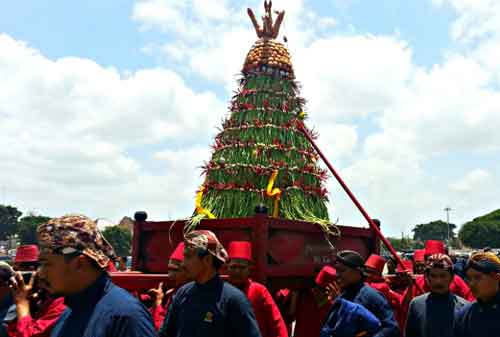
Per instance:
(373,226)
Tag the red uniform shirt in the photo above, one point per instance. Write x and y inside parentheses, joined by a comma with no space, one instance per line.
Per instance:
(457,287)
(266,311)
(394,299)
(41,323)
(160,312)
(309,315)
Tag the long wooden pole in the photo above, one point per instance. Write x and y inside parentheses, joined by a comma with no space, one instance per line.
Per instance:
(373,226)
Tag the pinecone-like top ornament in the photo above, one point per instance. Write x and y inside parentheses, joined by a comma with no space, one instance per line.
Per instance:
(267,52)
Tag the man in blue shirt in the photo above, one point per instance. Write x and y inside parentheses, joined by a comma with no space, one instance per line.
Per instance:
(345,319)
(351,274)
(481,318)
(208,307)
(73,259)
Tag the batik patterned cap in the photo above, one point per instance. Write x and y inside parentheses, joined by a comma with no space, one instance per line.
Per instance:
(206,240)
(440,261)
(75,233)
(484,262)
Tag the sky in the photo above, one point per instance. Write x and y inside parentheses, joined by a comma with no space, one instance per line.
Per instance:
(109,107)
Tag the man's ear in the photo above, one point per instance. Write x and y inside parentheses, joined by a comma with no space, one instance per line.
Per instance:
(208,259)
(497,276)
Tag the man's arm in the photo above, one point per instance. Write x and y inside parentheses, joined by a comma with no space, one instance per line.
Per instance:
(28,326)
(275,323)
(379,306)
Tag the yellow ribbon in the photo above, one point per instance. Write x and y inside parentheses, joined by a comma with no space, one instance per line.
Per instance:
(199,208)
(274,193)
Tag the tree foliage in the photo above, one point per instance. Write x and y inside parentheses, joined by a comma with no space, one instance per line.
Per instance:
(402,244)
(482,231)
(435,230)
(9,216)
(26,228)
(120,239)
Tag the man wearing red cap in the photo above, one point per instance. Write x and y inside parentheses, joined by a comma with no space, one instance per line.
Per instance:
(419,261)
(177,274)
(310,307)
(26,258)
(268,316)
(457,286)
(36,312)
(374,268)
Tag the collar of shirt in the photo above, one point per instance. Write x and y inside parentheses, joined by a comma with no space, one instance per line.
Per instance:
(440,297)
(90,296)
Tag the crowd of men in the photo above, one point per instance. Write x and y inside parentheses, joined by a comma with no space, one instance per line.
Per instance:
(61,288)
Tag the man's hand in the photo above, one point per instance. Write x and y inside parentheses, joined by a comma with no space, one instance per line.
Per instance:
(21,293)
(157,294)
(333,291)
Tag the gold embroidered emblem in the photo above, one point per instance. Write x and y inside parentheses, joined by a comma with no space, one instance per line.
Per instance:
(209,317)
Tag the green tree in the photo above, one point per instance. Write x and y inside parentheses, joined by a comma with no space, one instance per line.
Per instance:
(120,239)
(26,228)
(401,244)
(482,231)
(435,230)
(9,216)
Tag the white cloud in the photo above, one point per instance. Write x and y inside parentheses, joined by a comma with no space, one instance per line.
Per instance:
(474,180)
(73,132)
(476,18)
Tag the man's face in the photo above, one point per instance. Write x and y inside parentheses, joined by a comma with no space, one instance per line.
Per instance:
(346,276)
(238,271)
(439,280)
(372,275)
(195,265)
(177,273)
(419,267)
(25,266)
(483,286)
(56,274)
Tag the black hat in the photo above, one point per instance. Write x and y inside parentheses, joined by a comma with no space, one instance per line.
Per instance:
(351,259)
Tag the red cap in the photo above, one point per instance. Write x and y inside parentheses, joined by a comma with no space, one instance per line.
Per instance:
(434,247)
(408,265)
(375,262)
(326,276)
(28,253)
(419,255)
(178,253)
(240,250)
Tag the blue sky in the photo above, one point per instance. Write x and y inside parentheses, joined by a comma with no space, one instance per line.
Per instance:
(403,93)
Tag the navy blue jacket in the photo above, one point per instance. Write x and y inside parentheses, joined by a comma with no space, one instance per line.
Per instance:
(213,309)
(104,310)
(347,319)
(479,319)
(376,303)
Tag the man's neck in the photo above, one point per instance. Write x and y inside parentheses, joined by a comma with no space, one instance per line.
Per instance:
(86,281)
(489,299)
(206,276)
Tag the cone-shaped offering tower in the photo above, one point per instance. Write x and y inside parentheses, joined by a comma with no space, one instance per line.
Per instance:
(260,155)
